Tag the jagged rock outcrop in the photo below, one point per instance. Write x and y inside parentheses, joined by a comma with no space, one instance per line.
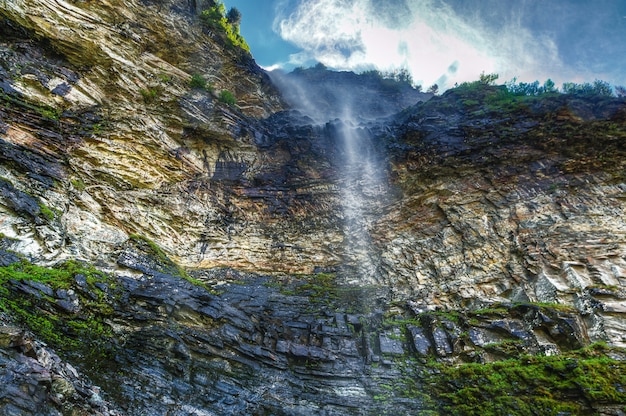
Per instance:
(520,203)
(104,101)
(37,381)
(226,342)
(259,258)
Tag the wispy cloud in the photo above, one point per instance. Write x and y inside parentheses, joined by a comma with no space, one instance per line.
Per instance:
(427,37)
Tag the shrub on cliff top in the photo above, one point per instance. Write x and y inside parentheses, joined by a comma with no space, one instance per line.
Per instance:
(600,88)
(217,21)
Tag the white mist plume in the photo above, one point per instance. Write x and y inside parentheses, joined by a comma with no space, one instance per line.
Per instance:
(427,37)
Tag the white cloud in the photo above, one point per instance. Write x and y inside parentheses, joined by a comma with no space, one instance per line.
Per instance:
(427,37)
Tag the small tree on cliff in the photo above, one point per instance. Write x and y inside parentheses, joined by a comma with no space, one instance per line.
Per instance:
(224,25)
(488,79)
(234,16)
(549,86)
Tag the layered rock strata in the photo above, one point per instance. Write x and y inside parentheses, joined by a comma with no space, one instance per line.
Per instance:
(227,280)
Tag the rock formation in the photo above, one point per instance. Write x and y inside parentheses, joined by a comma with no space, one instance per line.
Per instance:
(167,251)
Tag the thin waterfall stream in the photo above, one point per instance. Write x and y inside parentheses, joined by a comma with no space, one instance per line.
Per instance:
(362,188)
(347,113)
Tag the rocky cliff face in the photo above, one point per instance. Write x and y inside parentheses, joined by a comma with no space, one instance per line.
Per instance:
(186,255)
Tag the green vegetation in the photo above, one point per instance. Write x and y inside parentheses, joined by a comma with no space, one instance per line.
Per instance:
(165,78)
(598,88)
(573,383)
(320,287)
(152,249)
(433,89)
(323,290)
(436,317)
(530,385)
(42,313)
(391,78)
(532,89)
(481,97)
(43,110)
(227,97)
(488,79)
(495,309)
(197,81)
(49,112)
(505,308)
(149,95)
(559,307)
(96,129)
(217,21)
(78,184)
(164,263)
(234,16)
(46,211)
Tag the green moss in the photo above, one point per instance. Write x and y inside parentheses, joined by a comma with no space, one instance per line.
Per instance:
(168,266)
(78,184)
(149,95)
(200,283)
(391,322)
(504,309)
(546,305)
(96,129)
(43,110)
(46,212)
(40,313)
(320,287)
(494,310)
(152,249)
(531,385)
(165,78)
(610,288)
(49,112)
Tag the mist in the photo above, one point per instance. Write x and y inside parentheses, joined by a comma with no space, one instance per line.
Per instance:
(326,95)
(345,110)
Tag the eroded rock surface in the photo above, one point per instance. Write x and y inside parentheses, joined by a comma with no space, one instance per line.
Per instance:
(252,344)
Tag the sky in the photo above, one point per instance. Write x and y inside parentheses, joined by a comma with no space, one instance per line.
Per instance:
(443,41)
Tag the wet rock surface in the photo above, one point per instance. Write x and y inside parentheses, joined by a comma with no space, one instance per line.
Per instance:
(227,342)
(36,381)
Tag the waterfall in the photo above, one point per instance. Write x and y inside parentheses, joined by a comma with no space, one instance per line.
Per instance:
(347,107)
(361,186)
